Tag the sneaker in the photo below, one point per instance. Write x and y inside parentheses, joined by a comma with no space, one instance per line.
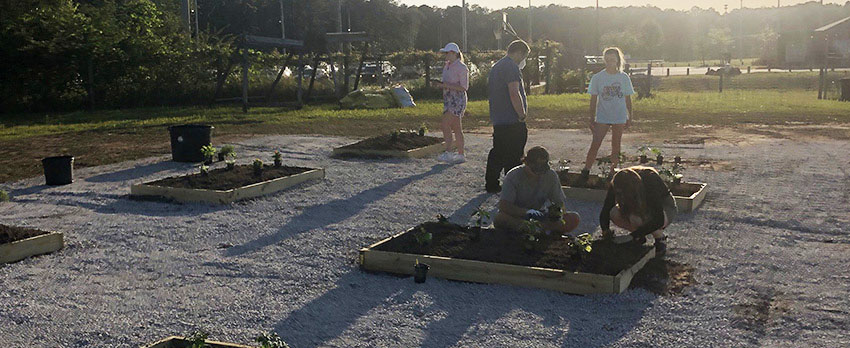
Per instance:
(445,157)
(458,158)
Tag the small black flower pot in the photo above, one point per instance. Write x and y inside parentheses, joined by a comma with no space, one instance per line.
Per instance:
(278,163)
(420,272)
(643,159)
(58,170)
(221,156)
(677,181)
(208,161)
(677,160)
(659,160)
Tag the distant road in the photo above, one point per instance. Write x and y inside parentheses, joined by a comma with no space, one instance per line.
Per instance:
(680,71)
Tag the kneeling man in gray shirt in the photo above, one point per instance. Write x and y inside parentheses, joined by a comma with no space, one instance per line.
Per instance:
(525,191)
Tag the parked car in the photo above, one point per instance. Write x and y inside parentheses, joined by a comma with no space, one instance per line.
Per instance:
(371,70)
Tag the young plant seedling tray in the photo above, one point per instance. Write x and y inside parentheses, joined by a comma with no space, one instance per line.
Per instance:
(22,243)
(407,145)
(180,342)
(688,195)
(381,257)
(194,188)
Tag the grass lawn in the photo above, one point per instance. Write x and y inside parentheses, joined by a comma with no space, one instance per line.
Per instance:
(110,136)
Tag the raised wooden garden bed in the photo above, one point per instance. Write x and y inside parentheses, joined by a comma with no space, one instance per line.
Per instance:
(180,342)
(496,256)
(226,185)
(406,145)
(17,243)
(688,195)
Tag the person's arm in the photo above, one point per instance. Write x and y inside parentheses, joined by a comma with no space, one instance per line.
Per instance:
(605,215)
(629,109)
(516,99)
(512,209)
(656,192)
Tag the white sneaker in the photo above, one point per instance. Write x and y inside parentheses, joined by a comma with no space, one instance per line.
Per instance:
(458,158)
(445,157)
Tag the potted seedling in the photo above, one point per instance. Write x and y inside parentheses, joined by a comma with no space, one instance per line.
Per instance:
(673,175)
(420,272)
(278,159)
(604,166)
(623,158)
(644,151)
(209,153)
(555,212)
(226,150)
(677,160)
(197,339)
(4,196)
(271,340)
(532,238)
(258,166)
(422,130)
(230,161)
(394,136)
(677,174)
(480,216)
(659,158)
(442,219)
(204,170)
(580,246)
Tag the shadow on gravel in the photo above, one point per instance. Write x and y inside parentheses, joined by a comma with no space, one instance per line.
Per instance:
(320,216)
(138,172)
(122,204)
(448,311)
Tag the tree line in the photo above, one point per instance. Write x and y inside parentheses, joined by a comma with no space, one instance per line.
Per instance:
(66,54)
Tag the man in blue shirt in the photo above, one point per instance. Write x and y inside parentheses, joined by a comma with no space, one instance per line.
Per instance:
(508,110)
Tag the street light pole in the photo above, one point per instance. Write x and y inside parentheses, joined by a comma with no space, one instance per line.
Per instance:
(463,19)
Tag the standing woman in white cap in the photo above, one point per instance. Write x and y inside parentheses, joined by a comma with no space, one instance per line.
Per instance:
(455,82)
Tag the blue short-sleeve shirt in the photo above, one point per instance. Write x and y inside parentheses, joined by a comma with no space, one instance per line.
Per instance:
(611,90)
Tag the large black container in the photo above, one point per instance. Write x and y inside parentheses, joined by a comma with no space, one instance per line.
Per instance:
(187,141)
(420,272)
(58,170)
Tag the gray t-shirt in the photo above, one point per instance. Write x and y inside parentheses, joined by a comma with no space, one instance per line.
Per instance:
(502,110)
(527,193)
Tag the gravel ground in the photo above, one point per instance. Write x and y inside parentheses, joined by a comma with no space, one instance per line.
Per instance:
(769,247)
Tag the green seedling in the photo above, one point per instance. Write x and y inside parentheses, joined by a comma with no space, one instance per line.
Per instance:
(230,160)
(4,196)
(271,340)
(278,159)
(423,129)
(622,157)
(197,339)
(258,166)
(423,237)
(480,215)
(204,169)
(555,212)
(208,151)
(583,243)
(644,151)
(442,219)
(225,152)
(564,165)
(604,166)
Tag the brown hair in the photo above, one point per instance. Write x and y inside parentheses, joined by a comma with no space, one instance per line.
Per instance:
(518,46)
(619,53)
(537,153)
(629,191)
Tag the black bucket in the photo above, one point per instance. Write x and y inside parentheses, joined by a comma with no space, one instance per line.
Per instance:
(58,170)
(420,272)
(187,141)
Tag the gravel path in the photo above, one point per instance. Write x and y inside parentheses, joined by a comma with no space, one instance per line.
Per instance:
(769,248)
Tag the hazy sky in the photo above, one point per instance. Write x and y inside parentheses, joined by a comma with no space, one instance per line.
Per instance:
(675,4)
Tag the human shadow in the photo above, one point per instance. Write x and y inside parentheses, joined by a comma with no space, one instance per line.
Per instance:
(137,172)
(462,214)
(116,204)
(453,309)
(319,216)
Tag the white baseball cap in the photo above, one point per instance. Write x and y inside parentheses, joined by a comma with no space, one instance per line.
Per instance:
(450,47)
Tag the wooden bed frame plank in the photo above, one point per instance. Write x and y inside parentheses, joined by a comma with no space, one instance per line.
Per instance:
(414,153)
(499,273)
(21,249)
(684,204)
(229,196)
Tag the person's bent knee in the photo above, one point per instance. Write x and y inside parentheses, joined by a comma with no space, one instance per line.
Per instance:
(571,221)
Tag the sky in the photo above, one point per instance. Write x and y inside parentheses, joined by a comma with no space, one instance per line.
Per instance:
(674,4)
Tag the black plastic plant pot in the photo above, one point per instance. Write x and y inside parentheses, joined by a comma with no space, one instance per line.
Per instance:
(221,156)
(187,141)
(677,160)
(659,160)
(643,159)
(278,163)
(58,170)
(420,272)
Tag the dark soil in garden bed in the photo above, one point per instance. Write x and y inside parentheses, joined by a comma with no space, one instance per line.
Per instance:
(503,246)
(597,183)
(10,234)
(223,179)
(405,141)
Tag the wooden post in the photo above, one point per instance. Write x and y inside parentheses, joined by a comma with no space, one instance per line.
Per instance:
(427,61)
(649,79)
(721,82)
(245,80)
(345,75)
(312,78)
(748,69)
(360,66)
(90,84)
(277,80)
(300,76)
(668,72)
(688,72)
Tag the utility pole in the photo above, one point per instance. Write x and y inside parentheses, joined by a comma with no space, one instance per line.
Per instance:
(529,22)
(282,27)
(186,15)
(463,19)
